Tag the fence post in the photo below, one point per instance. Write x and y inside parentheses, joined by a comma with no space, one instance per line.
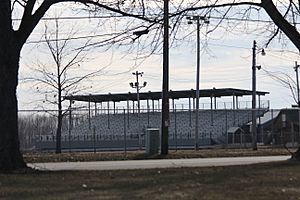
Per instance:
(70,125)
(293,134)
(272,127)
(125,142)
(211,111)
(89,105)
(226,127)
(94,138)
(175,119)
(241,138)
(190,113)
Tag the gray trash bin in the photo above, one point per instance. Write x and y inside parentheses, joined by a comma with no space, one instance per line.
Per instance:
(152,141)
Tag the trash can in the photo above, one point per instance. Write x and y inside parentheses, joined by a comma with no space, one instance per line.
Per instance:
(152,141)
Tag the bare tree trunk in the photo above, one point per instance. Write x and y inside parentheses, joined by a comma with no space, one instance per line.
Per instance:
(58,132)
(59,114)
(10,156)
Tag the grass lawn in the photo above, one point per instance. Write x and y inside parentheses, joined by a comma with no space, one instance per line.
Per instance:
(262,181)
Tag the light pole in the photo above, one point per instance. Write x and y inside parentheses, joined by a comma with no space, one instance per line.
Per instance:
(138,87)
(254,113)
(206,21)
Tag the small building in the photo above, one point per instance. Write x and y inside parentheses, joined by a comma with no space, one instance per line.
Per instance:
(282,128)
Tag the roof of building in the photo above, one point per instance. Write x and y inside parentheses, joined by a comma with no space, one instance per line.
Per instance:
(178,94)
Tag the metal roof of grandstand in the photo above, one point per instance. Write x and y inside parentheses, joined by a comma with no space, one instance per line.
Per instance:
(178,94)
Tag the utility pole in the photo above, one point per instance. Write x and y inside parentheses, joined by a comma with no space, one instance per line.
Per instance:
(297,80)
(298,96)
(206,21)
(254,130)
(254,111)
(197,86)
(138,87)
(165,118)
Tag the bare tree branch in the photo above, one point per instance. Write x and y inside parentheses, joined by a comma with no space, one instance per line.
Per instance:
(286,81)
(29,20)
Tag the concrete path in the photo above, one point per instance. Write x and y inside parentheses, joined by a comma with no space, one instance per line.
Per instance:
(152,164)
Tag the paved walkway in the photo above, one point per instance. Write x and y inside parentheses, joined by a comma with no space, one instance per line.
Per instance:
(152,164)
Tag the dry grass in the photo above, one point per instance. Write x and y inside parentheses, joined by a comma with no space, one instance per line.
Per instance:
(254,182)
(136,155)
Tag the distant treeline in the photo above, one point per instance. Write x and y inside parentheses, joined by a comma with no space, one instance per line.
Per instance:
(32,126)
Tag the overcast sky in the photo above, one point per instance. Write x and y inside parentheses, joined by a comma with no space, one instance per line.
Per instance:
(226,60)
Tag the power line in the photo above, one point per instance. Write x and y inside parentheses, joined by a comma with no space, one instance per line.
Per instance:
(244,20)
(73,18)
(230,46)
(72,38)
(119,16)
(110,34)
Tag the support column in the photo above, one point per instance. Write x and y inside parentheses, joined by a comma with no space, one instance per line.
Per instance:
(114,107)
(108,116)
(148,112)
(153,104)
(215,98)
(128,113)
(173,104)
(133,106)
(233,102)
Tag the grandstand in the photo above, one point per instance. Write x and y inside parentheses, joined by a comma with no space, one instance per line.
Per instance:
(112,129)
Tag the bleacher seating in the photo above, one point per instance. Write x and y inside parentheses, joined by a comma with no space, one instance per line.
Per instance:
(212,124)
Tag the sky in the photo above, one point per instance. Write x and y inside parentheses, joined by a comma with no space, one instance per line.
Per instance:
(226,62)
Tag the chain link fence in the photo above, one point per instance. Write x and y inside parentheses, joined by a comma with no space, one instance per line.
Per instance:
(122,129)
